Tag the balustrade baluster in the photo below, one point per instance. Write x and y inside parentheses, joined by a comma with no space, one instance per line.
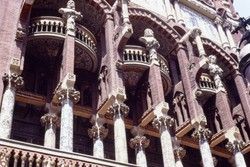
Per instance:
(23,158)
(16,157)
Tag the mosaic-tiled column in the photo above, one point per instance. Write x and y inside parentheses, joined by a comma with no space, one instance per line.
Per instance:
(119,110)
(163,124)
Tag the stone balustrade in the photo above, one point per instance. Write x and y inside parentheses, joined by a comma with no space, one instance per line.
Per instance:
(15,153)
(55,27)
(138,55)
(206,83)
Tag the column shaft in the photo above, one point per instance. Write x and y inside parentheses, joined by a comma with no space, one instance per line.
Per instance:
(167,148)
(66,133)
(178,13)
(239,160)
(200,47)
(141,157)
(206,155)
(50,136)
(170,15)
(98,148)
(121,153)
(178,163)
(6,115)
(244,97)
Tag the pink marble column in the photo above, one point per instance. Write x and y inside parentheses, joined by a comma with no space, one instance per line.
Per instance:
(235,147)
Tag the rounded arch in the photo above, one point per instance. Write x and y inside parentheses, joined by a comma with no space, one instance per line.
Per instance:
(158,25)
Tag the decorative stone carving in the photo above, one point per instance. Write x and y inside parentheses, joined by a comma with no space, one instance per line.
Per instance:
(235,146)
(179,153)
(201,132)
(151,45)
(98,131)
(196,34)
(118,108)
(20,33)
(139,141)
(13,80)
(70,93)
(216,72)
(50,118)
(166,121)
(5,154)
(70,15)
(124,6)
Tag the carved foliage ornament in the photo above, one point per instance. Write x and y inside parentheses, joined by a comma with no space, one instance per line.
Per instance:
(179,153)
(13,80)
(235,146)
(70,93)
(139,141)
(118,109)
(97,132)
(50,119)
(163,121)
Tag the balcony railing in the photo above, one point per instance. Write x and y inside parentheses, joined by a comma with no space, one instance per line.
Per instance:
(54,26)
(206,83)
(137,55)
(14,153)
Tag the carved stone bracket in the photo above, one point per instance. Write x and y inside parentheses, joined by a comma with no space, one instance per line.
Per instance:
(161,121)
(179,153)
(118,109)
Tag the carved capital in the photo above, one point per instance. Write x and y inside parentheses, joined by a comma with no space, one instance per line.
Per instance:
(50,119)
(139,142)
(218,20)
(235,146)
(13,80)
(163,121)
(20,33)
(98,130)
(70,93)
(179,153)
(118,109)
(201,132)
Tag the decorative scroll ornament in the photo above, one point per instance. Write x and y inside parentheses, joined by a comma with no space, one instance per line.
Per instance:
(151,44)
(13,80)
(118,109)
(201,133)
(70,15)
(161,121)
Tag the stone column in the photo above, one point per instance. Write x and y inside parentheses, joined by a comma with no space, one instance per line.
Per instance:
(13,81)
(223,37)
(155,81)
(98,132)
(196,34)
(139,143)
(66,95)
(179,154)
(69,15)
(244,96)
(178,14)
(51,122)
(235,145)
(163,124)
(203,134)
(119,110)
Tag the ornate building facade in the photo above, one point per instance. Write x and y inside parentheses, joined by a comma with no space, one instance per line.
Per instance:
(122,83)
